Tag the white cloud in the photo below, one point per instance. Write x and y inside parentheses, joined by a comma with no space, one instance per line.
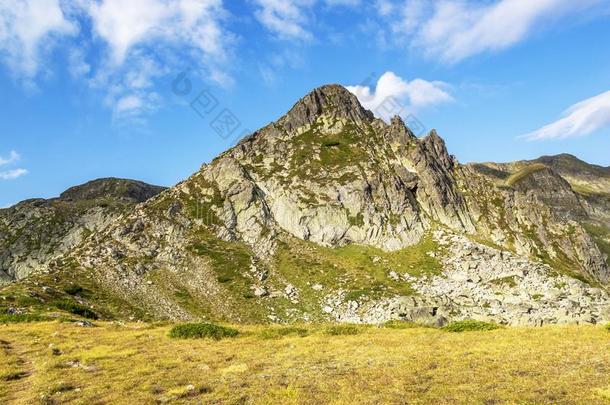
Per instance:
(581,119)
(13,174)
(133,106)
(288,19)
(453,30)
(13,157)
(132,44)
(285,18)
(124,25)
(396,96)
(128,103)
(27,28)
(150,39)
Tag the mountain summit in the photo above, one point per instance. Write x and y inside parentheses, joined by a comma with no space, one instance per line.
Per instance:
(332,214)
(330,100)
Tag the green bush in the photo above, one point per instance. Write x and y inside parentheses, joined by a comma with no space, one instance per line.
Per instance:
(470,325)
(608,327)
(276,333)
(75,308)
(340,330)
(202,330)
(20,318)
(331,144)
(74,289)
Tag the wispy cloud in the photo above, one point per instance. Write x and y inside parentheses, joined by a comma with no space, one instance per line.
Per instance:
(146,40)
(453,30)
(120,48)
(285,18)
(12,174)
(12,158)
(581,119)
(289,19)
(411,96)
(125,25)
(27,31)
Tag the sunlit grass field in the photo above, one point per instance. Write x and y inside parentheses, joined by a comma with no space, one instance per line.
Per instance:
(55,362)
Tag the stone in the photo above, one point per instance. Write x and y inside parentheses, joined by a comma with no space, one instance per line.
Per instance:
(260,291)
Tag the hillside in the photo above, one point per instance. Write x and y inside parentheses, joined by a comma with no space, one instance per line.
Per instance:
(35,232)
(330,214)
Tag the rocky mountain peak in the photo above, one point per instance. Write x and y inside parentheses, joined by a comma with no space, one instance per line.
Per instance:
(332,100)
(330,214)
(131,190)
(399,129)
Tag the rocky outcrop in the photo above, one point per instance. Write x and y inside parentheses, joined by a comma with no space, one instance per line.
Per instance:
(35,232)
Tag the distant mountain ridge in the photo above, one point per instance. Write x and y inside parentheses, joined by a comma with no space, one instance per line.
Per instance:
(332,214)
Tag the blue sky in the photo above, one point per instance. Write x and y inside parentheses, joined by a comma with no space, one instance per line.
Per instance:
(97,88)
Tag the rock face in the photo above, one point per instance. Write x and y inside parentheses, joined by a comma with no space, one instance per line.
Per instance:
(332,214)
(36,231)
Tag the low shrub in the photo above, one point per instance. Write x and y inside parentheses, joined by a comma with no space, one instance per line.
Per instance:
(74,289)
(202,330)
(224,279)
(608,327)
(21,318)
(75,308)
(470,325)
(331,144)
(277,333)
(340,330)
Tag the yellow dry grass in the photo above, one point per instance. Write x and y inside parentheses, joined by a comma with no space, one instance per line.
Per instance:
(133,364)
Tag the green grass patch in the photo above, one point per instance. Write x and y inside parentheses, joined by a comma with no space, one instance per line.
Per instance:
(398,324)
(74,289)
(21,318)
(601,236)
(356,295)
(75,308)
(228,259)
(470,326)
(343,330)
(337,151)
(331,144)
(508,281)
(278,333)
(201,331)
(523,173)
(352,268)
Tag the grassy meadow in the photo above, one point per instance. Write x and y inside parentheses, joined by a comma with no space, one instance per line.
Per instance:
(60,362)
